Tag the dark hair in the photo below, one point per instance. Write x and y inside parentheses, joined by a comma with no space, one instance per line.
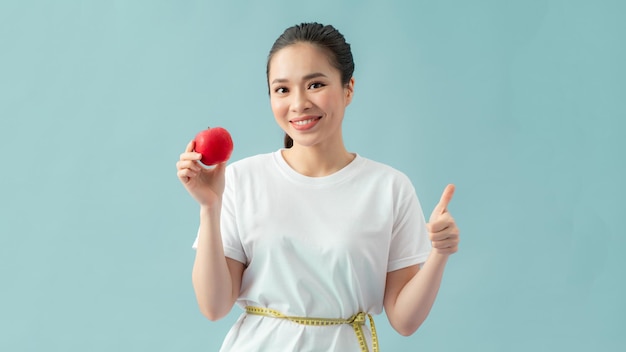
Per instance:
(324,37)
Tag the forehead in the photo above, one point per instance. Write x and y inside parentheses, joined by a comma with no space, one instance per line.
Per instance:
(298,60)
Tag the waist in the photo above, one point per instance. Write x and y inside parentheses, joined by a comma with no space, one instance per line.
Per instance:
(356,321)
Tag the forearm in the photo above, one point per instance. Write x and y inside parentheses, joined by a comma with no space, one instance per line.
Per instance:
(211,277)
(417,297)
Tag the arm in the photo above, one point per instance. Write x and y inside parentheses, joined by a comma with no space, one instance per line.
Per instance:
(216,279)
(410,292)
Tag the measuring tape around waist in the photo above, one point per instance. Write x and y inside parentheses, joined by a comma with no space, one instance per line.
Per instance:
(356,321)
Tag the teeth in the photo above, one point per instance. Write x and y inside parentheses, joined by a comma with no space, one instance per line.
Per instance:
(304,122)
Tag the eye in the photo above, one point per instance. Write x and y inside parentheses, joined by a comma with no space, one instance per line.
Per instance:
(281,90)
(316,85)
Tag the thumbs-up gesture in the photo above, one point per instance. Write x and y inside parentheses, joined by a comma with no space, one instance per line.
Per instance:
(444,234)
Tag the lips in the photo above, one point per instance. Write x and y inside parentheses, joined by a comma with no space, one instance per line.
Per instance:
(305,123)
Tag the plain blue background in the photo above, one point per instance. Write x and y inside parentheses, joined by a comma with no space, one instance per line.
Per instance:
(519,103)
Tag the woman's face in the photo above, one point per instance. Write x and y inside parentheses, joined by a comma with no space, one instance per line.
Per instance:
(306,95)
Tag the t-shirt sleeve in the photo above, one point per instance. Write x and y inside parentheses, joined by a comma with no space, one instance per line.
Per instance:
(410,243)
(231,241)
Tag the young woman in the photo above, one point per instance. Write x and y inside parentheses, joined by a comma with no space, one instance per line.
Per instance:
(312,239)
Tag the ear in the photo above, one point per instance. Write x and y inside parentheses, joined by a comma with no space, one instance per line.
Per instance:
(349,90)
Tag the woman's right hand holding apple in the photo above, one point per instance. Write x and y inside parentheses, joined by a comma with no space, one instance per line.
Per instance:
(206,185)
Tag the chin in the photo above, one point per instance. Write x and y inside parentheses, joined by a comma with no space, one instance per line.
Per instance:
(304,142)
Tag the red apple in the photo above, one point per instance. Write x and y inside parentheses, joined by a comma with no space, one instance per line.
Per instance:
(215,145)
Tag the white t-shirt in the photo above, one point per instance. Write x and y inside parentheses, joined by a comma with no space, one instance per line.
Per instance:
(316,247)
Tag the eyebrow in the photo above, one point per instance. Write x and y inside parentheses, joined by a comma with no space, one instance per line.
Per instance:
(305,78)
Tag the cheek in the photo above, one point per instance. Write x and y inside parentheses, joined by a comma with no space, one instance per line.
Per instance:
(328,101)
(278,107)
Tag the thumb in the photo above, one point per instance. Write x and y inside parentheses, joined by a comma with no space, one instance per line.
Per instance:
(446,197)
(219,169)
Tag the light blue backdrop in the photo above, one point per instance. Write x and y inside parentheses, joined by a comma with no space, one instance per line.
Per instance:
(519,103)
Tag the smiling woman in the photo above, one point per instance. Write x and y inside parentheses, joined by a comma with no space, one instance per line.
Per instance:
(325,38)
(308,99)
(309,276)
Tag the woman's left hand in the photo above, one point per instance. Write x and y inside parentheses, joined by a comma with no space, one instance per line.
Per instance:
(444,234)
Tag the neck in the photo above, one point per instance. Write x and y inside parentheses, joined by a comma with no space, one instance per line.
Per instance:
(317,161)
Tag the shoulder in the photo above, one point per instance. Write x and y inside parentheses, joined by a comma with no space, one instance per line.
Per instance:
(385,179)
(383,171)
(252,161)
(251,167)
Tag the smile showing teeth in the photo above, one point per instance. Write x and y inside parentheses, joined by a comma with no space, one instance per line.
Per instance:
(304,122)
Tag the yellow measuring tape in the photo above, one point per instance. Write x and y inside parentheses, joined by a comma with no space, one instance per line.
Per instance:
(356,321)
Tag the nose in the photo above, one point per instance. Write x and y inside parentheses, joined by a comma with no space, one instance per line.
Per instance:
(300,101)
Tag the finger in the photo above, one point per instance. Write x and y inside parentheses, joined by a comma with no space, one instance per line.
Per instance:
(186,174)
(438,227)
(442,244)
(440,223)
(449,243)
(190,156)
(188,164)
(446,197)
(448,234)
(190,146)
(189,152)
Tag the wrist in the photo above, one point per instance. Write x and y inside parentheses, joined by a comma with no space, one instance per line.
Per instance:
(210,210)
(437,258)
